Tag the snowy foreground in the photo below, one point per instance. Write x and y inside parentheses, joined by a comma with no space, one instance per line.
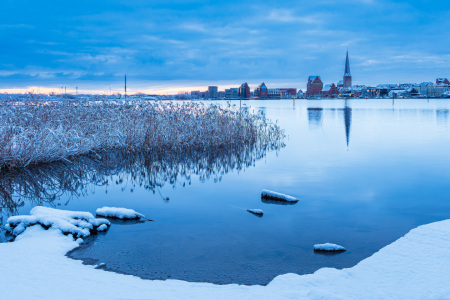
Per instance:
(413,267)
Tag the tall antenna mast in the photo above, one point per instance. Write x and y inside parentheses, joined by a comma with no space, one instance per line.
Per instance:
(125,86)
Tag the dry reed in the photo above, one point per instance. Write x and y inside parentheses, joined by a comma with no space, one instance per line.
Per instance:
(34,132)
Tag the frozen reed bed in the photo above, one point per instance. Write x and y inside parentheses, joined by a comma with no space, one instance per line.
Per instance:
(41,184)
(33,131)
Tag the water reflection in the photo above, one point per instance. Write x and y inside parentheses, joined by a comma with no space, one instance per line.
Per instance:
(315,115)
(442,116)
(47,183)
(348,122)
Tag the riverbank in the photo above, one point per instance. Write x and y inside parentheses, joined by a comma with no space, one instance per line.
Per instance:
(413,267)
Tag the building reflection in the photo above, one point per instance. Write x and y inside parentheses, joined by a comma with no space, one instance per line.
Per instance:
(315,115)
(442,116)
(347,122)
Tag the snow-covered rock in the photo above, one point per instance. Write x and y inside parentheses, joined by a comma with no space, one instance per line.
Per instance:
(77,223)
(119,213)
(329,247)
(266,194)
(255,211)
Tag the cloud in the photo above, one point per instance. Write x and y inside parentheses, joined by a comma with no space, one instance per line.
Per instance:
(288,16)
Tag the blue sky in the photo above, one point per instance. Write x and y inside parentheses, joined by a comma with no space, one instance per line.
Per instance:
(169,45)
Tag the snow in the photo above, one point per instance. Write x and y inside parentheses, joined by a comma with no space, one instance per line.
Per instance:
(413,267)
(102,227)
(328,247)
(277,196)
(118,213)
(255,211)
(80,224)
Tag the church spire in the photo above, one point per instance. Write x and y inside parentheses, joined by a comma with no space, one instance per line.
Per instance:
(347,66)
(347,75)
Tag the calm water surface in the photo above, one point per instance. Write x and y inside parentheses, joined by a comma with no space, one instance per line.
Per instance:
(366,171)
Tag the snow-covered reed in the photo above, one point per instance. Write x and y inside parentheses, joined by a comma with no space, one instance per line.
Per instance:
(47,183)
(33,132)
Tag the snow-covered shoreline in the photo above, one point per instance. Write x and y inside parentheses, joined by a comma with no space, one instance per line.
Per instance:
(413,267)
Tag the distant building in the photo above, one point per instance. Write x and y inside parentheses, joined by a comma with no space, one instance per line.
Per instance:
(274,93)
(314,86)
(232,93)
(437,90)
(300,94)
(261,91)
(347,82)
(288,92)
(442,81)
(330,90)
(212,92)
(195,94)
(244,91)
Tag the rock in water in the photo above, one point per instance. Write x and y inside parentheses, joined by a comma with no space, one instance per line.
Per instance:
(328,247)
(266,194)
(257,212)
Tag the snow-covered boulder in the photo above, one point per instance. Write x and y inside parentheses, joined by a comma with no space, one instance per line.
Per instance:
(119,213)
(254,211)
(328,247)
(266,194)
(77,223)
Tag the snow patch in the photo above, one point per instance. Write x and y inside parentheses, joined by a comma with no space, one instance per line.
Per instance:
(79,224)
(119,213)
(266,194)
(328,247)
(392,272)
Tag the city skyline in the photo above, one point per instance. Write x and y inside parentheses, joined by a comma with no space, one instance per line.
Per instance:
(174,46)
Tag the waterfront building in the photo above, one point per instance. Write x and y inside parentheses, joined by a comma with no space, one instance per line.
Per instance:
(274,93)
(437,90)
(232,93)
(288,93)
(330,90)
(212,92)
(442,81)
(195,94)
(244,91)
(347,82)
(369,92)
(261,91)
(314,86)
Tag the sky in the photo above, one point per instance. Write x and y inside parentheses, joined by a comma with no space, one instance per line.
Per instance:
(173,45)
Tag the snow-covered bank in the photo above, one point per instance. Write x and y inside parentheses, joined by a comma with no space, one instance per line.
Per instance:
(77,223)
(413,267)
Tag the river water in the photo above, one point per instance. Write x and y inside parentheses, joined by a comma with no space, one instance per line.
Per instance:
(366,171)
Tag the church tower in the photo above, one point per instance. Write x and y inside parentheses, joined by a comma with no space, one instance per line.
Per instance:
(347,74)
